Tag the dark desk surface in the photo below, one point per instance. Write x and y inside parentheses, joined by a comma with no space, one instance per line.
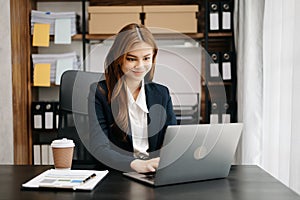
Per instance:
(243,182)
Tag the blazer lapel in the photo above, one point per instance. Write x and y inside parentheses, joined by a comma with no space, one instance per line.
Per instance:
(152,99)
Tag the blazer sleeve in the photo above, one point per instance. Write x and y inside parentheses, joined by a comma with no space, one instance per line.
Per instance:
(99,127)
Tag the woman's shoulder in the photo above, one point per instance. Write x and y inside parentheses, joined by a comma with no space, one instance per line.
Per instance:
(98,88)
(102,84)
(157,87)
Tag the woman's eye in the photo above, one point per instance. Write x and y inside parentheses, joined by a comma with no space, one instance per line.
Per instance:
(130,59)
(147,58)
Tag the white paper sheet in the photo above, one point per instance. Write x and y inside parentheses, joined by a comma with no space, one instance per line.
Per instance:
(67,179)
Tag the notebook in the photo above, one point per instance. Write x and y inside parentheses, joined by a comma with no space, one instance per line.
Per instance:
(67,179)
(194,153)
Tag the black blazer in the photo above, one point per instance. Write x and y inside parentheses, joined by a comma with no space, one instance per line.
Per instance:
(107,142)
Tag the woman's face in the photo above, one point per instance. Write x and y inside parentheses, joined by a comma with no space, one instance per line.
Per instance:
(138,62)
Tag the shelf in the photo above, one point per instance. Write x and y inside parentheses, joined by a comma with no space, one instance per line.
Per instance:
(220,34)
(144,2)
(218,83)
(57,0)
(51,85)
(156,35)
(44,136)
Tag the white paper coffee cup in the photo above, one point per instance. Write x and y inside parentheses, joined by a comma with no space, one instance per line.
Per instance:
(62,153)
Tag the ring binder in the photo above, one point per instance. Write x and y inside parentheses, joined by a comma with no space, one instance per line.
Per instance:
(37,115)
(228,110)
(214,16)
(226,117)
(214,67)
(49,115)
(226,8)
(227,66)
(214,112)
(221,111)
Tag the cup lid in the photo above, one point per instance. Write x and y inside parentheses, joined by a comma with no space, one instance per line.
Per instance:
(62,143)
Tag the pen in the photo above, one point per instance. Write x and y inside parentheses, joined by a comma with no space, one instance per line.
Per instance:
(88,178)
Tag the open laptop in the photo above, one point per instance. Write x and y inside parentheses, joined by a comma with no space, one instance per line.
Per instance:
(193,153)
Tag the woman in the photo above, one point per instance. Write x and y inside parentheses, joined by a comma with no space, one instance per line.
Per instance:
(128,112)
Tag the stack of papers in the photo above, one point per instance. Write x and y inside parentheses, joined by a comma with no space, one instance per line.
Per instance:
(67,179)
(48,68)
(41,17)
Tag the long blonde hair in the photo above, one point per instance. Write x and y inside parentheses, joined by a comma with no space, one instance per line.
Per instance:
(125,40)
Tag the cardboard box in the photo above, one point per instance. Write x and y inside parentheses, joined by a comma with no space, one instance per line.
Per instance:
(110,19)
(181,18)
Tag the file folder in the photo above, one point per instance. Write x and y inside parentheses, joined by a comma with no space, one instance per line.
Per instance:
(226,9)
(63,32)
(213,72)
(227,66)
(56,65)
(214,16)
(41,35)
(49,115)
(37,115)
(42,17)
(41,74)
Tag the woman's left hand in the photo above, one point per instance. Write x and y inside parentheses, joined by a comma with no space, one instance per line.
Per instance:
(144,166)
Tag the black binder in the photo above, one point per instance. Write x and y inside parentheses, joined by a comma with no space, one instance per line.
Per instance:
(49,115)
(214,112)
(227,66)
(228,109)
(226,16)
(37,109)
(213,71)
(221,111)
(214,16)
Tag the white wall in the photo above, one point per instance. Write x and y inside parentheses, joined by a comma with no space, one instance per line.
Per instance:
(6,117)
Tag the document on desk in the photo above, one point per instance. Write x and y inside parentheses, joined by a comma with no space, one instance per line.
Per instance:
(67,179)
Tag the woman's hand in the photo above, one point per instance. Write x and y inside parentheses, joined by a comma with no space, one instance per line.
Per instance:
(143,166)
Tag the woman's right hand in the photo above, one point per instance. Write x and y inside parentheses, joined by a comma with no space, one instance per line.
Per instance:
(143,166)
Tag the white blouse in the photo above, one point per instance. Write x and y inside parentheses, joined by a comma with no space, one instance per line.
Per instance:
(138,122)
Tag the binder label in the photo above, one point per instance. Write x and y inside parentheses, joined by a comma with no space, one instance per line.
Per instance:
(214,21)
(225,118)
(48,120)
(214,118)
(214,70)
(37,121)
(226,25)
(226,70)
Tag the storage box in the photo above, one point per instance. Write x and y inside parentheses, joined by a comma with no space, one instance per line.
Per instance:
(181,18)
(110,19)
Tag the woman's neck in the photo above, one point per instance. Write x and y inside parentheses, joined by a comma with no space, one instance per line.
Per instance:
(134,87)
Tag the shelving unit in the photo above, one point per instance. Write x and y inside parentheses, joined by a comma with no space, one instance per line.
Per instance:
(24,93)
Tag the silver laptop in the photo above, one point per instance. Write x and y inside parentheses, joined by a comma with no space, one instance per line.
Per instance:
(194,153)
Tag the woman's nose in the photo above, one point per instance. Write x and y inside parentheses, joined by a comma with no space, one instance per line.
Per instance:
(140,63)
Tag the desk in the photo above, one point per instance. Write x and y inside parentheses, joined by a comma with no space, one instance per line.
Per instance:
(243,183)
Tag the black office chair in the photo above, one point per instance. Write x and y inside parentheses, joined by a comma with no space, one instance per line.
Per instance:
(73,115)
